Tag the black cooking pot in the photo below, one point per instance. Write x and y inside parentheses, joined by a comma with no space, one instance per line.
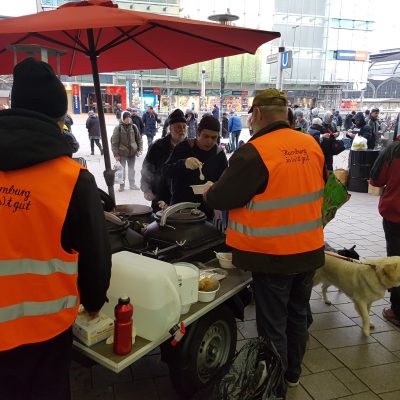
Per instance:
(121,236)
(183,224)
(135,213)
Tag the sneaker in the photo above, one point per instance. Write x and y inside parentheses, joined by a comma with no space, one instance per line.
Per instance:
(134,187)
(121,189)
(293,384)
(389,315)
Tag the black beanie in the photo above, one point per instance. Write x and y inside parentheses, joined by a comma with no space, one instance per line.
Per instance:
(176,116)
(210,123)
(37,88)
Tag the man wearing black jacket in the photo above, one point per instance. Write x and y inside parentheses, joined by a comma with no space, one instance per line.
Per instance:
(154,184)
(30,137)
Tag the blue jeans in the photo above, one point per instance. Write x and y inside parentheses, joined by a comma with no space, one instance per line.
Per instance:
(281,313)
(392,235)
(235,139)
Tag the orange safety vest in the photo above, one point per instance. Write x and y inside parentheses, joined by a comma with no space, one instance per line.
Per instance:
(39,296)
(286,217)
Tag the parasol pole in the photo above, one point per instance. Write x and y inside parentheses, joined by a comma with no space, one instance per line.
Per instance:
(108,173)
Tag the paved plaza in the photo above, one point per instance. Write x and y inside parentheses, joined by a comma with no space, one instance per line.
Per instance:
(339,363)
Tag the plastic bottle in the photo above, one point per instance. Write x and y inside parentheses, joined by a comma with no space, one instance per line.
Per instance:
(123,312)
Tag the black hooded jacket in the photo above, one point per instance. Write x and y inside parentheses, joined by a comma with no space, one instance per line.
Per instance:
(365,130)
(28,138)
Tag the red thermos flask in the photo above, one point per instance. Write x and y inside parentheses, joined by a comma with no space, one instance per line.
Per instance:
(123,326)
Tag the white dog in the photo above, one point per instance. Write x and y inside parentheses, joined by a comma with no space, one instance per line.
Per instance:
(364,282)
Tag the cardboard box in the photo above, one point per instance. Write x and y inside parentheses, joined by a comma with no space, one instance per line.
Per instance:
(94,331)
(375,191)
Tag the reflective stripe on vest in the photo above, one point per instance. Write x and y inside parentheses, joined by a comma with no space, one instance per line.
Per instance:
(286,218)
(26,266)
(33,309)
(285,202)
(276,230)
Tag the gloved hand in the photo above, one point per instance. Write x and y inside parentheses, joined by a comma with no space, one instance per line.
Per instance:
(193,163)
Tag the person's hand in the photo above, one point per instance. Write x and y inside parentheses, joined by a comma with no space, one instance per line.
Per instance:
(207,187)
(117,157)
(87,315)
(326,135)
(193,163)
(162,204)
(149,196)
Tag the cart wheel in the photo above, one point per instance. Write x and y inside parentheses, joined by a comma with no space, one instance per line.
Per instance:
(209,344)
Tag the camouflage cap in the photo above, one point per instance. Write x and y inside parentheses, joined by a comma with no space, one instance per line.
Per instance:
(269,97)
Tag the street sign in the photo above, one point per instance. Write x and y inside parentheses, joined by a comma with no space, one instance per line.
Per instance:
(287,59)
(272,58)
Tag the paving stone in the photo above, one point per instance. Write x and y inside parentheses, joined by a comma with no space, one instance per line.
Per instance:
(379,324)
(324,386)
(364,356)
(317,360)
(349,380)
(305,370)
(329,321)
(248,329)
(239,335)
(250,312)
(391,396)
(318,306)
(80,377)
(315,295)
(338,298)
(342,337)
(148,367)
(313,343)
(378,309)
(97,393)
(164,388)
(362,396)
(241,343)
(348,310)
(104,377)
(298,393)
(390,339)
(142,389)
(381,378)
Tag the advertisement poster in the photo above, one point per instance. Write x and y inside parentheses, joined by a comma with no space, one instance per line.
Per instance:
(75,99)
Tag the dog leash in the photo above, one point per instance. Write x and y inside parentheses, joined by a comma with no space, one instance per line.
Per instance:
(349,259)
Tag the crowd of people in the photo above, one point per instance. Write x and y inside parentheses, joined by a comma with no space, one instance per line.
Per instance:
(272,188)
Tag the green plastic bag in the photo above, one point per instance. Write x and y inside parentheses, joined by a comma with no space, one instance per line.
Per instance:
(335,195)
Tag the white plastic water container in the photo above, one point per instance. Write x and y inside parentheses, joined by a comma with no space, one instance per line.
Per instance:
(188,280)
(152,286)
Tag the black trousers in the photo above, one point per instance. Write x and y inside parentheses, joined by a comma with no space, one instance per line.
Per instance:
(38,371)
(392,235)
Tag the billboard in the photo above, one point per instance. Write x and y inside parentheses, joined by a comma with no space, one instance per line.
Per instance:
(351,55)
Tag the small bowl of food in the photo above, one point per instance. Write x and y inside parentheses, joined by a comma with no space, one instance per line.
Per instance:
(198,189)
(225,260)
(208,288)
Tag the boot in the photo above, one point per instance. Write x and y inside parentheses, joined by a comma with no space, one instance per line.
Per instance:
(121,188)
(101,152)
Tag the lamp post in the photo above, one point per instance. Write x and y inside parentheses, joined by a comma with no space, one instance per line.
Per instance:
(203,90)
(294,40)
(224,19)
(141,91)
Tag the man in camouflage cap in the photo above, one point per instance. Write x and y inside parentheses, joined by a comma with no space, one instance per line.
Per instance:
(273,190)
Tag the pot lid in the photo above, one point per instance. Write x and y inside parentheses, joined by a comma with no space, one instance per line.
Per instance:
(133,209)
(187,215)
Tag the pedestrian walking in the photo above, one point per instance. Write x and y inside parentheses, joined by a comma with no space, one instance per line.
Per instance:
(191,123)
(93,127)
(150,120)
(215,112)
(126,145)
(55,252)
(280,241)
(234,128)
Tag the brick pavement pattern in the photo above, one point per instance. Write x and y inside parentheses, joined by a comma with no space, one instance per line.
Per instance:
(340,363)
